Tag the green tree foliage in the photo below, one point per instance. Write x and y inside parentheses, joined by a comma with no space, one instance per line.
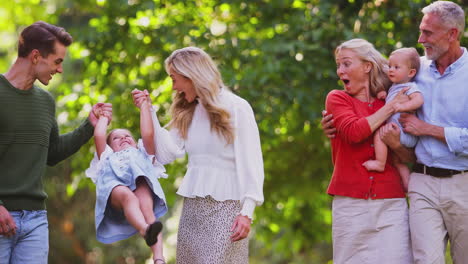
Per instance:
(277,54)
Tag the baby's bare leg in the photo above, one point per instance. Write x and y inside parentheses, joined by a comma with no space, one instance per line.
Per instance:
(403,170)
(381,151)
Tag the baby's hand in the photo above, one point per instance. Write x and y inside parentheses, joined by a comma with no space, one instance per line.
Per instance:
(106,114)
(100,113)
(382,95)
(146,100)
(97,112)
(139,97)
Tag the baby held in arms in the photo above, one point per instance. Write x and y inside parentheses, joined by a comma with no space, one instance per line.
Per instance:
(403,67)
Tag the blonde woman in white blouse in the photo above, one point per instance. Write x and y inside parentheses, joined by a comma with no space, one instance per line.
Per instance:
(224,178)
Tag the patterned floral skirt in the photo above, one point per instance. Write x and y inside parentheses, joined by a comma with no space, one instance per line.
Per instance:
(205,231)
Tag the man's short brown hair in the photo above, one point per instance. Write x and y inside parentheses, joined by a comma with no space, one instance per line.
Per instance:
(42,36)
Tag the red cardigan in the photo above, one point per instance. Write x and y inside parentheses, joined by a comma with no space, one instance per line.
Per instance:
(352,146)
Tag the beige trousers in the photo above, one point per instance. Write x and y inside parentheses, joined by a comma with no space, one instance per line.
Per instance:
(370,231)
(439,212)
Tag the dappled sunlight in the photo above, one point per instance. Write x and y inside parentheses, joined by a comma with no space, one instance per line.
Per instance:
(278,55)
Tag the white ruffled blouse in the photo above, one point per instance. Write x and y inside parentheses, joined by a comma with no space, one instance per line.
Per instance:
(225,172)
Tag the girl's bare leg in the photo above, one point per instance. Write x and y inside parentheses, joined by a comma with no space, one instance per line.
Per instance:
(145,197)
(122,198)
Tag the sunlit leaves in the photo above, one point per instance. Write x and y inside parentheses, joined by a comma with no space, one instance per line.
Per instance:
(277,54)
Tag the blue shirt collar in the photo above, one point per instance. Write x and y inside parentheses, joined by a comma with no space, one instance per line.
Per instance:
(454,66)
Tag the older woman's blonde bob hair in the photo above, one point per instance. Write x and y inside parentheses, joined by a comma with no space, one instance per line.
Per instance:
(195,64)
(365,51)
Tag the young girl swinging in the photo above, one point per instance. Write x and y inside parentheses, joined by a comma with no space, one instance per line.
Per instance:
(129,198)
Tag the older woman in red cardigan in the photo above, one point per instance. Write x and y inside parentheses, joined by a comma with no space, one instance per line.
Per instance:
(370,213)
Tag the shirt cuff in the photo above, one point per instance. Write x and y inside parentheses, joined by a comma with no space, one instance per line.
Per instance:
(155,116)
(248,208)
(452,136)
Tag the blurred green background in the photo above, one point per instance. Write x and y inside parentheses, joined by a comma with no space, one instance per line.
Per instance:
(277,54)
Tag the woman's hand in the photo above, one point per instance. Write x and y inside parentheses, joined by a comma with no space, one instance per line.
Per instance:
(397,102)
(140,96)
(327,124)
(240,228)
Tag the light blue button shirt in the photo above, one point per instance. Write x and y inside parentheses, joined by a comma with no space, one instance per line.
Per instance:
(445,105)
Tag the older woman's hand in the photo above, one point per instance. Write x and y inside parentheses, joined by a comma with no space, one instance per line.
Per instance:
(398,100)
(327,124)
(240,227)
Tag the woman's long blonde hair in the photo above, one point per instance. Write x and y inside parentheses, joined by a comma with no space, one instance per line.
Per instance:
(365,51)
(196,65)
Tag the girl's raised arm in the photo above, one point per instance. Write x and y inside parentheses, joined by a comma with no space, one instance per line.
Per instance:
(100,134)
(146,127)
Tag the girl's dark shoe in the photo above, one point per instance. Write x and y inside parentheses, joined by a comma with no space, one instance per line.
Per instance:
(152,232)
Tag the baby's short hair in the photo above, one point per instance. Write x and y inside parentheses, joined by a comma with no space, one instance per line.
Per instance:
(412,57)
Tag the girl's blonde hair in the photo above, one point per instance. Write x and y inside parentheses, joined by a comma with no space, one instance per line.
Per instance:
(365,51)
(196,65)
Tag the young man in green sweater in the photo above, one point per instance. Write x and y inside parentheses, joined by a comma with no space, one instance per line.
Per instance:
(30,140)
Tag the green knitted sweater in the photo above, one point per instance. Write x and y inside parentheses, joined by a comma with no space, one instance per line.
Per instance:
(30,140)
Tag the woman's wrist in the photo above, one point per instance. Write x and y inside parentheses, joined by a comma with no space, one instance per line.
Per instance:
(248,208)
(390,107)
